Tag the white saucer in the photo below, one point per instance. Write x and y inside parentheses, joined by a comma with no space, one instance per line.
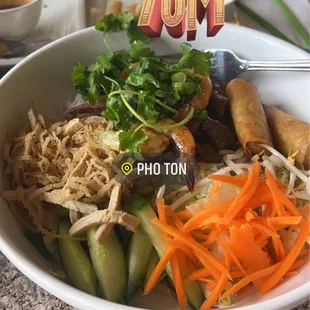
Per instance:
(58,19)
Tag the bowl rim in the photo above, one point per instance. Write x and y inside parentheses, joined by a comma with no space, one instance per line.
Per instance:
(78,298)
(20,7)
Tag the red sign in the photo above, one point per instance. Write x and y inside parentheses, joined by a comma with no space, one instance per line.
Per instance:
(173,13)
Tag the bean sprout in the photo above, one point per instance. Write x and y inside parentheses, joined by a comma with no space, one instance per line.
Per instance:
(289,166)
(291,183)
(161,192)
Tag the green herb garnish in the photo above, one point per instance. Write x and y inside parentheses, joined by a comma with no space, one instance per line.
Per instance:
(193,58)
(130,140)
(137,86)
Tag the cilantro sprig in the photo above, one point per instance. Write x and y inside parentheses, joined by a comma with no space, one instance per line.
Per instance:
(192,58)
(136,86)
(130,140)
(123,21)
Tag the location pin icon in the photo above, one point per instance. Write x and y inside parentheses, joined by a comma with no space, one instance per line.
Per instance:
(127,168)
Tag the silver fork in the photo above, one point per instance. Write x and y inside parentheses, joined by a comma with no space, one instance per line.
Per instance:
(226,65)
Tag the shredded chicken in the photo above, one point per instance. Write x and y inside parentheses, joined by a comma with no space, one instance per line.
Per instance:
(57,197)
(130,222)
(63,163)
(114,205)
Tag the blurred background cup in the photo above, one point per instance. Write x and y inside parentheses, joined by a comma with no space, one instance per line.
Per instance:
(96,9)
(18,18)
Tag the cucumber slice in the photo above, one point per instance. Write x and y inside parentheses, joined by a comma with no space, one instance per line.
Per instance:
(153,261)
(143,210)
(139,250)
(109,263)
(75,261)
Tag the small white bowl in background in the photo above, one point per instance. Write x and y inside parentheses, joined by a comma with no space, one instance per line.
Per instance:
(18,22)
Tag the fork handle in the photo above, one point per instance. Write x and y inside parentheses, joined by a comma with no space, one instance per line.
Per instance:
(287,65)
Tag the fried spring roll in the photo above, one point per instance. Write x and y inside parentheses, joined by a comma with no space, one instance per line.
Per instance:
(248,116)
(289,135)
(114,7)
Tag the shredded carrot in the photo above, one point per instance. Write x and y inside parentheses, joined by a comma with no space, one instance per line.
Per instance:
(195,220)
(278,240)
(243,245)
(243,290)
(205,273)
(178,281)
(245,194)
(199,235)
(182,262)
(285,221)
(236,274)
(289,259)
(220,227)
(277,243)
(280,196)
(288,204)
(161,208)
(273,210)
(227,250)
(235,240)
(251,278)
(216,292)
(176,220)
(262,239)
(215,219)
(158,270)
(198,274)
(259,199)
(271,183)
(185,215)
(281,249)
(276,249)
(211,285)
(194,246)
(180,245)
(257,275)
(214,272)
(213,236)
(264,229)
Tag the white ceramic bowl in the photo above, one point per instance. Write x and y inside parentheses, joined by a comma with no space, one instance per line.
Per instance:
(17,23)
(42,81)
